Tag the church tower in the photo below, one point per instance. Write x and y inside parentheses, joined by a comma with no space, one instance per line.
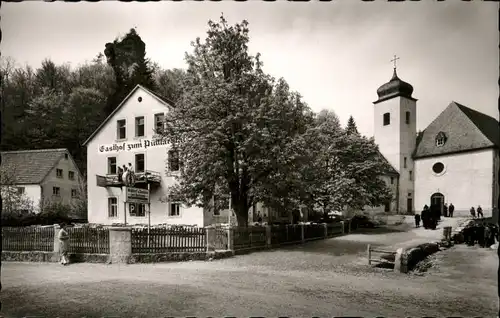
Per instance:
(395,133)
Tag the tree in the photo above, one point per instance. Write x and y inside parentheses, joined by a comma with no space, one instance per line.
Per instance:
(351,126)
(169,83)
(231,122)
(15,203)
(127,57)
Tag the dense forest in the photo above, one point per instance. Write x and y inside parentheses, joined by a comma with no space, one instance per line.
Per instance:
(56,106)
(240,133)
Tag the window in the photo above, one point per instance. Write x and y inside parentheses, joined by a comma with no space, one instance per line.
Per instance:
(404,163)
(174,209)
(71,175)
(173,160)
(112,165)
(59,173)
(74,193)
(407,118)
(139,162)
(392,180)
(65,156)
(409,194)
(438,167)
(121,129)
(410,175)
(56,191)
(159,125)
(139,126)
(440,139)
(137,209)
(387,119)
(112,207)
(20,190)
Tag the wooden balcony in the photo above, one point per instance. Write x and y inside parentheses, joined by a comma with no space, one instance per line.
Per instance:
(141,179)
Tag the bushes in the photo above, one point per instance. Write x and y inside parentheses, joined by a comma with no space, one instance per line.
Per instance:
(51,213)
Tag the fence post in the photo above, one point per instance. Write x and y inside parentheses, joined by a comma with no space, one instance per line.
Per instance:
(56,240)
(268,236)
(369,252)
(325,229)
(230,238)
(211,234)
(343,227)
(120,244)
(302,232)
(398,261)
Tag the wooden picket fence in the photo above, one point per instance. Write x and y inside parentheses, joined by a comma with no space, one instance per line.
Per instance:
(28,239)
(249,237)
(333,229)
(168,240)
(88,240)
(314,231)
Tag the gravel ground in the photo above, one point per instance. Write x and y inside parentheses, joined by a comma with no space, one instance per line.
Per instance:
(321,278)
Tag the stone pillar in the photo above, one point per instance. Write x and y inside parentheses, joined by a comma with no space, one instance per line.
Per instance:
(342,227)
(398,261)
(325,226)
(268,237)
(302,233)
(120,244)
(211,236)
(230,239)
(57,228)
(349,226)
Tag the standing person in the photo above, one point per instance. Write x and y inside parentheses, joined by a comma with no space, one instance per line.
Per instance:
(451,209)
(417,220)
(63,237)
(425,217)
(480,212)
(445,210)
(473,212)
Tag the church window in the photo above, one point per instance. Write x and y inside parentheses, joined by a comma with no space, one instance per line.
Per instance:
(438,167)
(407,118)
(440,139)
(387,119)
(411,175)
(404,162)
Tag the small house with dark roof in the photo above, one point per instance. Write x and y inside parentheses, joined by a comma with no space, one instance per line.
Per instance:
(128,140)
(454,160)
(42,175)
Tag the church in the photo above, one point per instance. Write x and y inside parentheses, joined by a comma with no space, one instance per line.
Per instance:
(454,160)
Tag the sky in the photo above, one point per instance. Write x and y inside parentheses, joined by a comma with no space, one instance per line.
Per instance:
(335,54)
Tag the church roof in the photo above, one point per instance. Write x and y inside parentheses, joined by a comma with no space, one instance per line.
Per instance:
(30,166)
(389,169)
(394,88)
(458,129)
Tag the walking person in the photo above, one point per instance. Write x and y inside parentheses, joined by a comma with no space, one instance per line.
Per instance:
(63,237)
(473,212)
(451,209)
(445,210)
(425,217)
(417,220)
(480,212)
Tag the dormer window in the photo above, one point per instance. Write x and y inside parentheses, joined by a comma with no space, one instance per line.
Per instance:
(440,139)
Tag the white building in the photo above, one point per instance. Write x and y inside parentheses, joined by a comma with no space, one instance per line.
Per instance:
(41,175)
(126,137)
(455,160)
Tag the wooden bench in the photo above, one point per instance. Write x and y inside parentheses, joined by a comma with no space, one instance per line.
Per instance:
(370,250)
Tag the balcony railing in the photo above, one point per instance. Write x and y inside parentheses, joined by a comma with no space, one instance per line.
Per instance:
(112,180)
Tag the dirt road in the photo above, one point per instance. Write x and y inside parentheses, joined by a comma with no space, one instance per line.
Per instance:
(322,278)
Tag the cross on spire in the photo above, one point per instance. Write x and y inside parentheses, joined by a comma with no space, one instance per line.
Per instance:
(394,60)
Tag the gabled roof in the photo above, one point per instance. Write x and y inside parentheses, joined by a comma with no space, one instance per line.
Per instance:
(389,169)
(465,130)
(31,166)
(160,98)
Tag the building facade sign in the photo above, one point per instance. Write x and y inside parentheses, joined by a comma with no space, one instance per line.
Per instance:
(135,195)
(129,146)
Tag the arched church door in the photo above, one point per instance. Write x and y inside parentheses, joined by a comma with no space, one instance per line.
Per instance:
(438,199)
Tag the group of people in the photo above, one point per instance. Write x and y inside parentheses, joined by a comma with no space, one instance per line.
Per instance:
(431,216)
(479,212)
(481,233)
